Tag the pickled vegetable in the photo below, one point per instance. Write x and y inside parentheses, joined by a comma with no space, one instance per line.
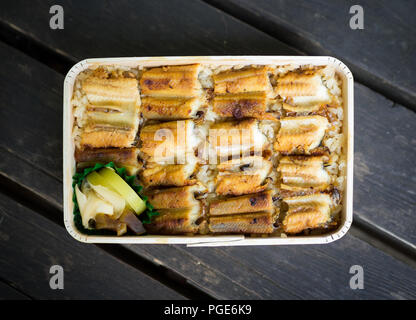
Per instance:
(109,179)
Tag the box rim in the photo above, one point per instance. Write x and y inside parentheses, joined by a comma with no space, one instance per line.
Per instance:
(209,240)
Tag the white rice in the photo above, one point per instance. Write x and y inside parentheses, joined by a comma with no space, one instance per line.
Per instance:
(205,78)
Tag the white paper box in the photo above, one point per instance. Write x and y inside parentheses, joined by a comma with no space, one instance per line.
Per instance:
(211,240)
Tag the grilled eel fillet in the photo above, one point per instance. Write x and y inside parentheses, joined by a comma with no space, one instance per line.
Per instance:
(178,208)
(176,221)
(245,80)
(160,108)
(307,212)
(304,108)
(168,175)
(171,81)
(303,91)
(300,135)
(259,222)
(112,116)
(167,141)
(125,157)
(175,198)
(303,173)
(242,176)
(235,137)
(298,84)
(255,202)
(242,105)
(110,92)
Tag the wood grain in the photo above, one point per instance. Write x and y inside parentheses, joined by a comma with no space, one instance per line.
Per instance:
(384,173)
(381,55)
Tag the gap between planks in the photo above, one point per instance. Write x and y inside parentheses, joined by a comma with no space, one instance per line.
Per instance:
(52,212)
(61,63)
(16,292)
(309,47)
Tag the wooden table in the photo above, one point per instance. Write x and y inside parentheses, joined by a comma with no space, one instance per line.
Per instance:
(33,63)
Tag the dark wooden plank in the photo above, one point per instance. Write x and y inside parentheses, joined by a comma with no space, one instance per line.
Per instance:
(7,292)
(385,174)
(220,277)
(381,55)
(31,244)
(323,271)
(138,28)
(311,272)
(17,169)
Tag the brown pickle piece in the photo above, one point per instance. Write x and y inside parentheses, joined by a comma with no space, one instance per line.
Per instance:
(132,222)
(103,221)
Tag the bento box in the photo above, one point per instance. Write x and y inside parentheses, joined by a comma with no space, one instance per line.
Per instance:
(346,211)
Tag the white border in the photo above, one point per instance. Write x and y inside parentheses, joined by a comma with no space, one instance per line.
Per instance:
(200,240)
